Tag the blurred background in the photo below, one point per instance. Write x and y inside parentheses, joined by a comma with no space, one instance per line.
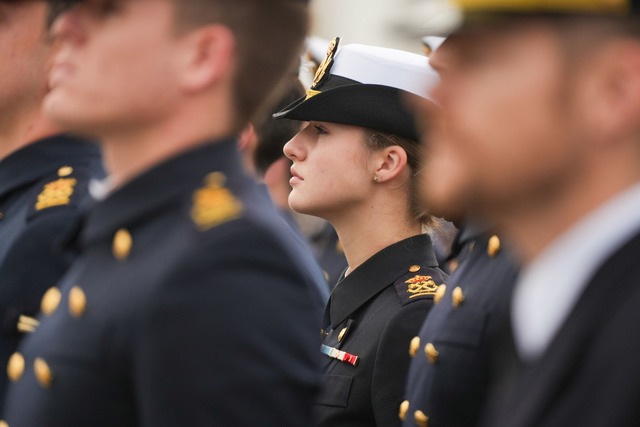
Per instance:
(362,21)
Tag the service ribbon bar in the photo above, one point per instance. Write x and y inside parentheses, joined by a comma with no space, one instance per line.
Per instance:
(340,355)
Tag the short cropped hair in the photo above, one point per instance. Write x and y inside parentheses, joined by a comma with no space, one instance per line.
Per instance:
(269,35)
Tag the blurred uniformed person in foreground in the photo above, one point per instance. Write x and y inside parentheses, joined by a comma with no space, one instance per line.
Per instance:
(355,165)
(541,104)
(44,176)
(260,145)
(452,354)
(190,304)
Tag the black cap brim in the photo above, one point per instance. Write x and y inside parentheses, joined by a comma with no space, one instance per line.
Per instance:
(375,107)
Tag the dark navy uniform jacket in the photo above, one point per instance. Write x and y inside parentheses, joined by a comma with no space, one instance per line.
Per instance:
(189,305)
(589,376)
(448,379)
(373,314)
(42,189)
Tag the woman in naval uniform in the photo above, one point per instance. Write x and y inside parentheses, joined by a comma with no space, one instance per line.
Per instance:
(355,164)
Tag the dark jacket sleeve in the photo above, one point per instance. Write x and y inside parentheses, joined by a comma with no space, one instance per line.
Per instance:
(392,361)
(232,339)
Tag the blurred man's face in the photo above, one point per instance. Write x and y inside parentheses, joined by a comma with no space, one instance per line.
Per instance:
(115,67)
(23,54)
(501,138)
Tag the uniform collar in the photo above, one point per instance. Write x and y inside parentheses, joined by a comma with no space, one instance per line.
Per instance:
(147,193)
(472,229)
(41,158)
(377,273)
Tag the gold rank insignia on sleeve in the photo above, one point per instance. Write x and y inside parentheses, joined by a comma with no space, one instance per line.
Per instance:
(214,204)
(56,193)
(421,286)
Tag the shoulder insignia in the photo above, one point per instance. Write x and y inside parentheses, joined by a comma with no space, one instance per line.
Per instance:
(56,193)
(214,204)
(420,286)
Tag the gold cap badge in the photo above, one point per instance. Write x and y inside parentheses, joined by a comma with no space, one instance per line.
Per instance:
(326,63)
(214,204)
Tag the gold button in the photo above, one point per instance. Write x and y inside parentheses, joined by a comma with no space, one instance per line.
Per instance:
(77,301)
(432,353)
(65,171)
(404,408)
(15,367)
(414,269)
(122,242)
(421,419)
(27,325)
(414,346)
(442,289)
(342,334)
(493,247)
(43,372)
(50,301)
(457,296)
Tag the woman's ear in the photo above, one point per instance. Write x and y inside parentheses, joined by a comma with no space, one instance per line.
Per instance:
(208,57)
(391,162)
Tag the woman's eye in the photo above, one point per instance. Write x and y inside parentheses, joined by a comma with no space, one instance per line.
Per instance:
(105,7)
(320,130)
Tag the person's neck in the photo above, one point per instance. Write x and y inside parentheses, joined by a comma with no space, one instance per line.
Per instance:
(366,231)
(129,153)
(21,129)
(532,228)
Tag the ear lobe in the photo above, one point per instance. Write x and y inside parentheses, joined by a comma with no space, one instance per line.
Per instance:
(394,160)
(208,58)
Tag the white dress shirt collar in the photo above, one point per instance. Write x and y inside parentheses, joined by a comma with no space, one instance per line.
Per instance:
(549,287)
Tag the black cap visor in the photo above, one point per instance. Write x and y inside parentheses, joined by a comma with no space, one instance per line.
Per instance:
(375,107)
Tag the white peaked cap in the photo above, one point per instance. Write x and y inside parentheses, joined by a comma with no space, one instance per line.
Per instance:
(388,67)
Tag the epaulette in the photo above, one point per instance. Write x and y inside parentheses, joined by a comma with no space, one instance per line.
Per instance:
(214,204)
(59,190)
(419,283)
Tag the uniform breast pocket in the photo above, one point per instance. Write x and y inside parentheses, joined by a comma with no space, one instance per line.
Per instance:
(335,390)
(464,326)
